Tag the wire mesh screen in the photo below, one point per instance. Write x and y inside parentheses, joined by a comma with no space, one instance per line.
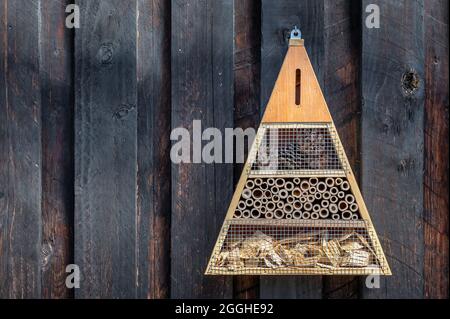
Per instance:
(307,247)
(329,198)
(311,149)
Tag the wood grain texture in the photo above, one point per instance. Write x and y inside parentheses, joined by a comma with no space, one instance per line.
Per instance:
(247,81)
(153,184)
(202,89)
(278,19)
(342,45)
(20,150)
(393,142)
(57,148)
(105,149)
(436,179)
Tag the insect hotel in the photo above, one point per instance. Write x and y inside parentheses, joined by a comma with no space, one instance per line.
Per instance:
(297,209)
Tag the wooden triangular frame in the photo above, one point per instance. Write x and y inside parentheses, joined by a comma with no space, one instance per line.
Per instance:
(284,110)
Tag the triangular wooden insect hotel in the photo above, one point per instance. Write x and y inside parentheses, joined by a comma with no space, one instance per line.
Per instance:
(297,209)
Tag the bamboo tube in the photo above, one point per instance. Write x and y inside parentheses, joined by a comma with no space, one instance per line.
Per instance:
(257,193)
(275,198)
(290,199)
(246,214)
(264,186)
(267,194)
(297,192)
(270,181)
(269,215)
(288,209)
(321,187)
(307,206)
(255,213)
(335,216)
(318,196)
(283,194)
(325,203)
(263,210)
(288,216)
(341,195)
(280,205)
(347,215)
(333,208)
(324,213)
(258,181)
(264,200)
(249,202)
(250,184)
(304,186)
(355,217)
(246,193)
(334,199)
(306,215)
(271,206)
(297,214)
(278,214)
(311,198)
(349,198)
(316,208)
(238,214)
(312,190)
(297,181)
(241,205)
(298,205)
(345,186)
(289,186)
(330,182)
(313,181)
(334,191)
(257,204)
(354,207)
(326,195)
(338,181)
(315,216)
(303,199)
(280,182)
(343,205)
(274,189)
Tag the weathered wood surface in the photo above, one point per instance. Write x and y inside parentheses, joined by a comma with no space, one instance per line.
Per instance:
(436,150)
(57,100)
(105,149)
(116,78)
(392,142)
(153,149)
(20,151)
(202,89)
(247,81)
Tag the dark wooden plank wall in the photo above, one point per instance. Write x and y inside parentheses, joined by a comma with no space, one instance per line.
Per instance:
(393,92)
(107,197)
(202,89)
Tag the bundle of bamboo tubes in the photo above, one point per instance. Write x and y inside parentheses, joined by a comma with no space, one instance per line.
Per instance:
(297,198)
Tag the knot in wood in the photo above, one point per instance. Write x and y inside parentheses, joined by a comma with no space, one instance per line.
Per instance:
(105,53)
(410,82)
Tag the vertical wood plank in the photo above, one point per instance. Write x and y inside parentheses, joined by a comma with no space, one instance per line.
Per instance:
(341,65)
(393,142)
(105,149)
(202,89)
(278,19)
(57,148)
(20,150)
(247,81)
(436,179)
(154,205)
